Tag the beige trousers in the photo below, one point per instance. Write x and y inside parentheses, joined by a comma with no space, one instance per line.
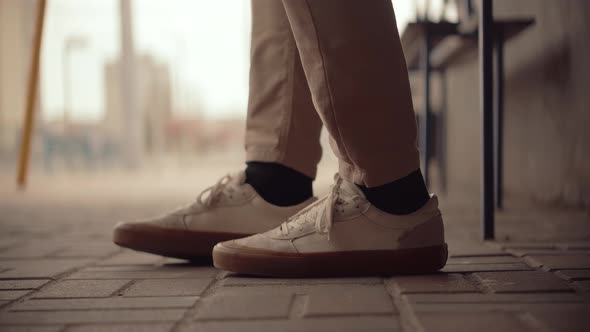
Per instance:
(337,63)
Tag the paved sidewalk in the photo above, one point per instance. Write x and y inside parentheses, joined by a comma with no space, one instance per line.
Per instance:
(60,272)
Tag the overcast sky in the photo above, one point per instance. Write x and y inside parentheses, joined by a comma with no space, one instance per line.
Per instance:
(205,43)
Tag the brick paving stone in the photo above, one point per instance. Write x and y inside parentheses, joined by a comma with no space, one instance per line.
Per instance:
(522,281)
(161,272)
(483,260)
(9,242)
(82,288)
(326,324)
(583,285)
(20,284)
(106,303)
(95,316)
(100,249)
(131,258)
(471,249)
(559,262)
(9,295)
(152,327)
(497,302)
(571,320)
(574,245)
(471,298)
(37,249)
(481,322)
(526,245)
(168,287)
(30,328)
(574,274)
(435,283)
(464,268)
(236,280)
(119,268)
(470,308)
(241,305)
(545,252)
(328,300)
(45,268)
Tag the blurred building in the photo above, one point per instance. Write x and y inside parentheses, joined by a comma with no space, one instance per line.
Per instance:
(153,100)
(17,21)
(198,136)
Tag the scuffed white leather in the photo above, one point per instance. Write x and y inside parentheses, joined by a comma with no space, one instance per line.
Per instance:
(238,209)
(357,225)
(264,242)
(253,216)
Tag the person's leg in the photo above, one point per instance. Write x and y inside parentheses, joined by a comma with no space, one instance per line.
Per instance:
(283,149)
(355,67)
(282,126)
(378,217)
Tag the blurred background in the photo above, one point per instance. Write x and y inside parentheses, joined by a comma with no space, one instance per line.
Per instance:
(153,94)
(130,89)
(184,57)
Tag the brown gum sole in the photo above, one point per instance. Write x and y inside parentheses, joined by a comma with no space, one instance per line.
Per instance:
(175,243)
(336,264)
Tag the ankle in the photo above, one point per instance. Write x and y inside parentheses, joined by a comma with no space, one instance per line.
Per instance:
(402,196)
(278,184)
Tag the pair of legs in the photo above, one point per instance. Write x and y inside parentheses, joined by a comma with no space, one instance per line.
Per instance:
(337,63)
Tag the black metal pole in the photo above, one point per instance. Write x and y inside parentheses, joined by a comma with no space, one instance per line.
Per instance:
(486,49)
(425,126)
(442,138)
(499,119)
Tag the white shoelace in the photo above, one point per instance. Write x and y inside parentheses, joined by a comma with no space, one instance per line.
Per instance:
(215,191)
(321,211)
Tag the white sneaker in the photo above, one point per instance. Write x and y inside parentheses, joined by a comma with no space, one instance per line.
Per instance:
(230,209)
(341,235)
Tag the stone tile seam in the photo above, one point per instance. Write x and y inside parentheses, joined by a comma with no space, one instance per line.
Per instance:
(62,327)
(190,312)
(478,284)
(408,320)
(528,319)
(304,284)
(121,291)
(54,280)
(298,306)
(99,309)
(488,290)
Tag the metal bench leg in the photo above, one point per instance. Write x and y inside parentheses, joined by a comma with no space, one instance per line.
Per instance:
(425,125)
(486,48)
(499,120)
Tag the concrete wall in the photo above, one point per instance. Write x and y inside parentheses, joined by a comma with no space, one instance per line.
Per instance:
(547,110)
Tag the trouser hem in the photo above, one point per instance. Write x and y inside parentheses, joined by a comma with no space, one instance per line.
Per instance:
(276,156)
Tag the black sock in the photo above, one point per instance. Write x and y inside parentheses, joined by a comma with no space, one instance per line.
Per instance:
(402,196)
(278,184)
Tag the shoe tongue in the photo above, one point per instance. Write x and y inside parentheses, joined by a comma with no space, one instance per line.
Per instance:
(238,177)
(350,189)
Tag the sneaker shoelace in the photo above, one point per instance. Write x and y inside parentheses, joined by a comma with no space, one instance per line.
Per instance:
(228,183)
(321,212)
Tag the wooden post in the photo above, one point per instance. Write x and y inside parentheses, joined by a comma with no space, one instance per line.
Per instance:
(27,130)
